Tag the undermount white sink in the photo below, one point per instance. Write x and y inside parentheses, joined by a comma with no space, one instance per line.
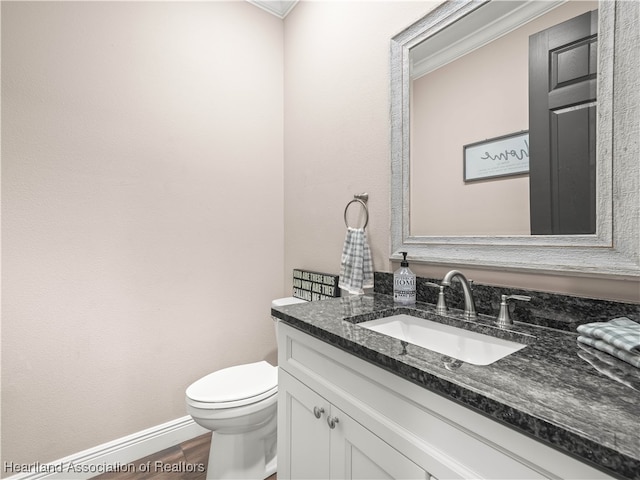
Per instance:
(465,345)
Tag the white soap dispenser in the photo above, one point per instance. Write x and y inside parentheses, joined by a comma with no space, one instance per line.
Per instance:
(404,284)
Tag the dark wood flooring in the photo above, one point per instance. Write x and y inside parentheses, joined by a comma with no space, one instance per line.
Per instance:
(187,461)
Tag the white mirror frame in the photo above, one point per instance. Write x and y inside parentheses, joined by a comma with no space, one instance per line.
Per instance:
(614,250)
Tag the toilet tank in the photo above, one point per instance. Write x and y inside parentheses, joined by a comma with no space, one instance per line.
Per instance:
(281,302)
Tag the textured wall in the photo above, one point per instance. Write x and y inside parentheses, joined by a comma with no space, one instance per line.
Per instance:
(142,211)
(337,124)
(337,142)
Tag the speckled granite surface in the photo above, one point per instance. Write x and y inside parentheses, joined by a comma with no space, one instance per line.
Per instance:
(552,310)
(547,390)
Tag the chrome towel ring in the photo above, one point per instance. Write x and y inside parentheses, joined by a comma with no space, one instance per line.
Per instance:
(362,199)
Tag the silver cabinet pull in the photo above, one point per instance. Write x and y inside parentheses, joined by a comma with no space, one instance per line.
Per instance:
(332,422)
(318,411)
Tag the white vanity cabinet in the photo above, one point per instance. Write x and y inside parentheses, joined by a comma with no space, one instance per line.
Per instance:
(342,417)
(324,442)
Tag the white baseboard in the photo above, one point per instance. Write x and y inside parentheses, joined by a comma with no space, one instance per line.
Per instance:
(118,455)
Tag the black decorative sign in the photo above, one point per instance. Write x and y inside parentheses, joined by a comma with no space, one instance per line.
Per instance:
(312,286)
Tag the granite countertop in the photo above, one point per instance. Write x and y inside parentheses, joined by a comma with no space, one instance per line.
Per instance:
(546,390)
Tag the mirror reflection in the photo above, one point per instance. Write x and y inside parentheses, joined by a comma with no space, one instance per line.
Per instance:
(476,118)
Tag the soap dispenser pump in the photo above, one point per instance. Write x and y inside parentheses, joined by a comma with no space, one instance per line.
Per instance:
(404,284)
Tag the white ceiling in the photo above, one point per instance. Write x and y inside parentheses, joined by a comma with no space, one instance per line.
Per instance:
(279,8)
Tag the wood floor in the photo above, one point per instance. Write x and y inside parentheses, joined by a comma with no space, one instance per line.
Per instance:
(187,461)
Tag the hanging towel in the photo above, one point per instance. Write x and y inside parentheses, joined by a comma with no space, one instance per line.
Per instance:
(356,267)
(621,333)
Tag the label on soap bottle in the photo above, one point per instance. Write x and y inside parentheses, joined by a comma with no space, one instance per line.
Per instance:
(404,289)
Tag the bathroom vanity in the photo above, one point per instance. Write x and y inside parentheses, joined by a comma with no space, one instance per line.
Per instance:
(354,403)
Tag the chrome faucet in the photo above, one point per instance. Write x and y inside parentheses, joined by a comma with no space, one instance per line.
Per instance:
(469,304)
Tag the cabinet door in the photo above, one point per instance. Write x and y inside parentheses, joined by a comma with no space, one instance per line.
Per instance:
(356,453)
(303,433)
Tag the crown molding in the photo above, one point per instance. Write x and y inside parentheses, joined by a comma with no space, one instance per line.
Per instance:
(279,8)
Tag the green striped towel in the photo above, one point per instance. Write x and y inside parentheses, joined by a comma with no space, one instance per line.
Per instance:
(621,333)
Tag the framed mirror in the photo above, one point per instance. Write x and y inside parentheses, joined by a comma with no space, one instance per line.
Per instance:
(448,33)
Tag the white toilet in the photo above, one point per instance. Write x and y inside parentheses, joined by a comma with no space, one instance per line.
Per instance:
(239,404)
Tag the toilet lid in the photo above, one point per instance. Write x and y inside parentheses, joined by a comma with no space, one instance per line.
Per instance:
(235,383)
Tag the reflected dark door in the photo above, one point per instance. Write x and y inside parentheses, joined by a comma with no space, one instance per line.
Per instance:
(562,127)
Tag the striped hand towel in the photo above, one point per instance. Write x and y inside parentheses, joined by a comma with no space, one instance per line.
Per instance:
(622,333)
(356,266)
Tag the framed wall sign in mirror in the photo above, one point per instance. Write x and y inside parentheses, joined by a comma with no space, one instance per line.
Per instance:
(496,157)
(444,67)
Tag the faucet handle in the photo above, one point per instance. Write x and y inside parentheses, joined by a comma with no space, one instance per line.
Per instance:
(441,307)
(524,298)
(504,318)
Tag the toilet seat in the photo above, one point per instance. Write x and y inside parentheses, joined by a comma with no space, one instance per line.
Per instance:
(240,406)
(234,386)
